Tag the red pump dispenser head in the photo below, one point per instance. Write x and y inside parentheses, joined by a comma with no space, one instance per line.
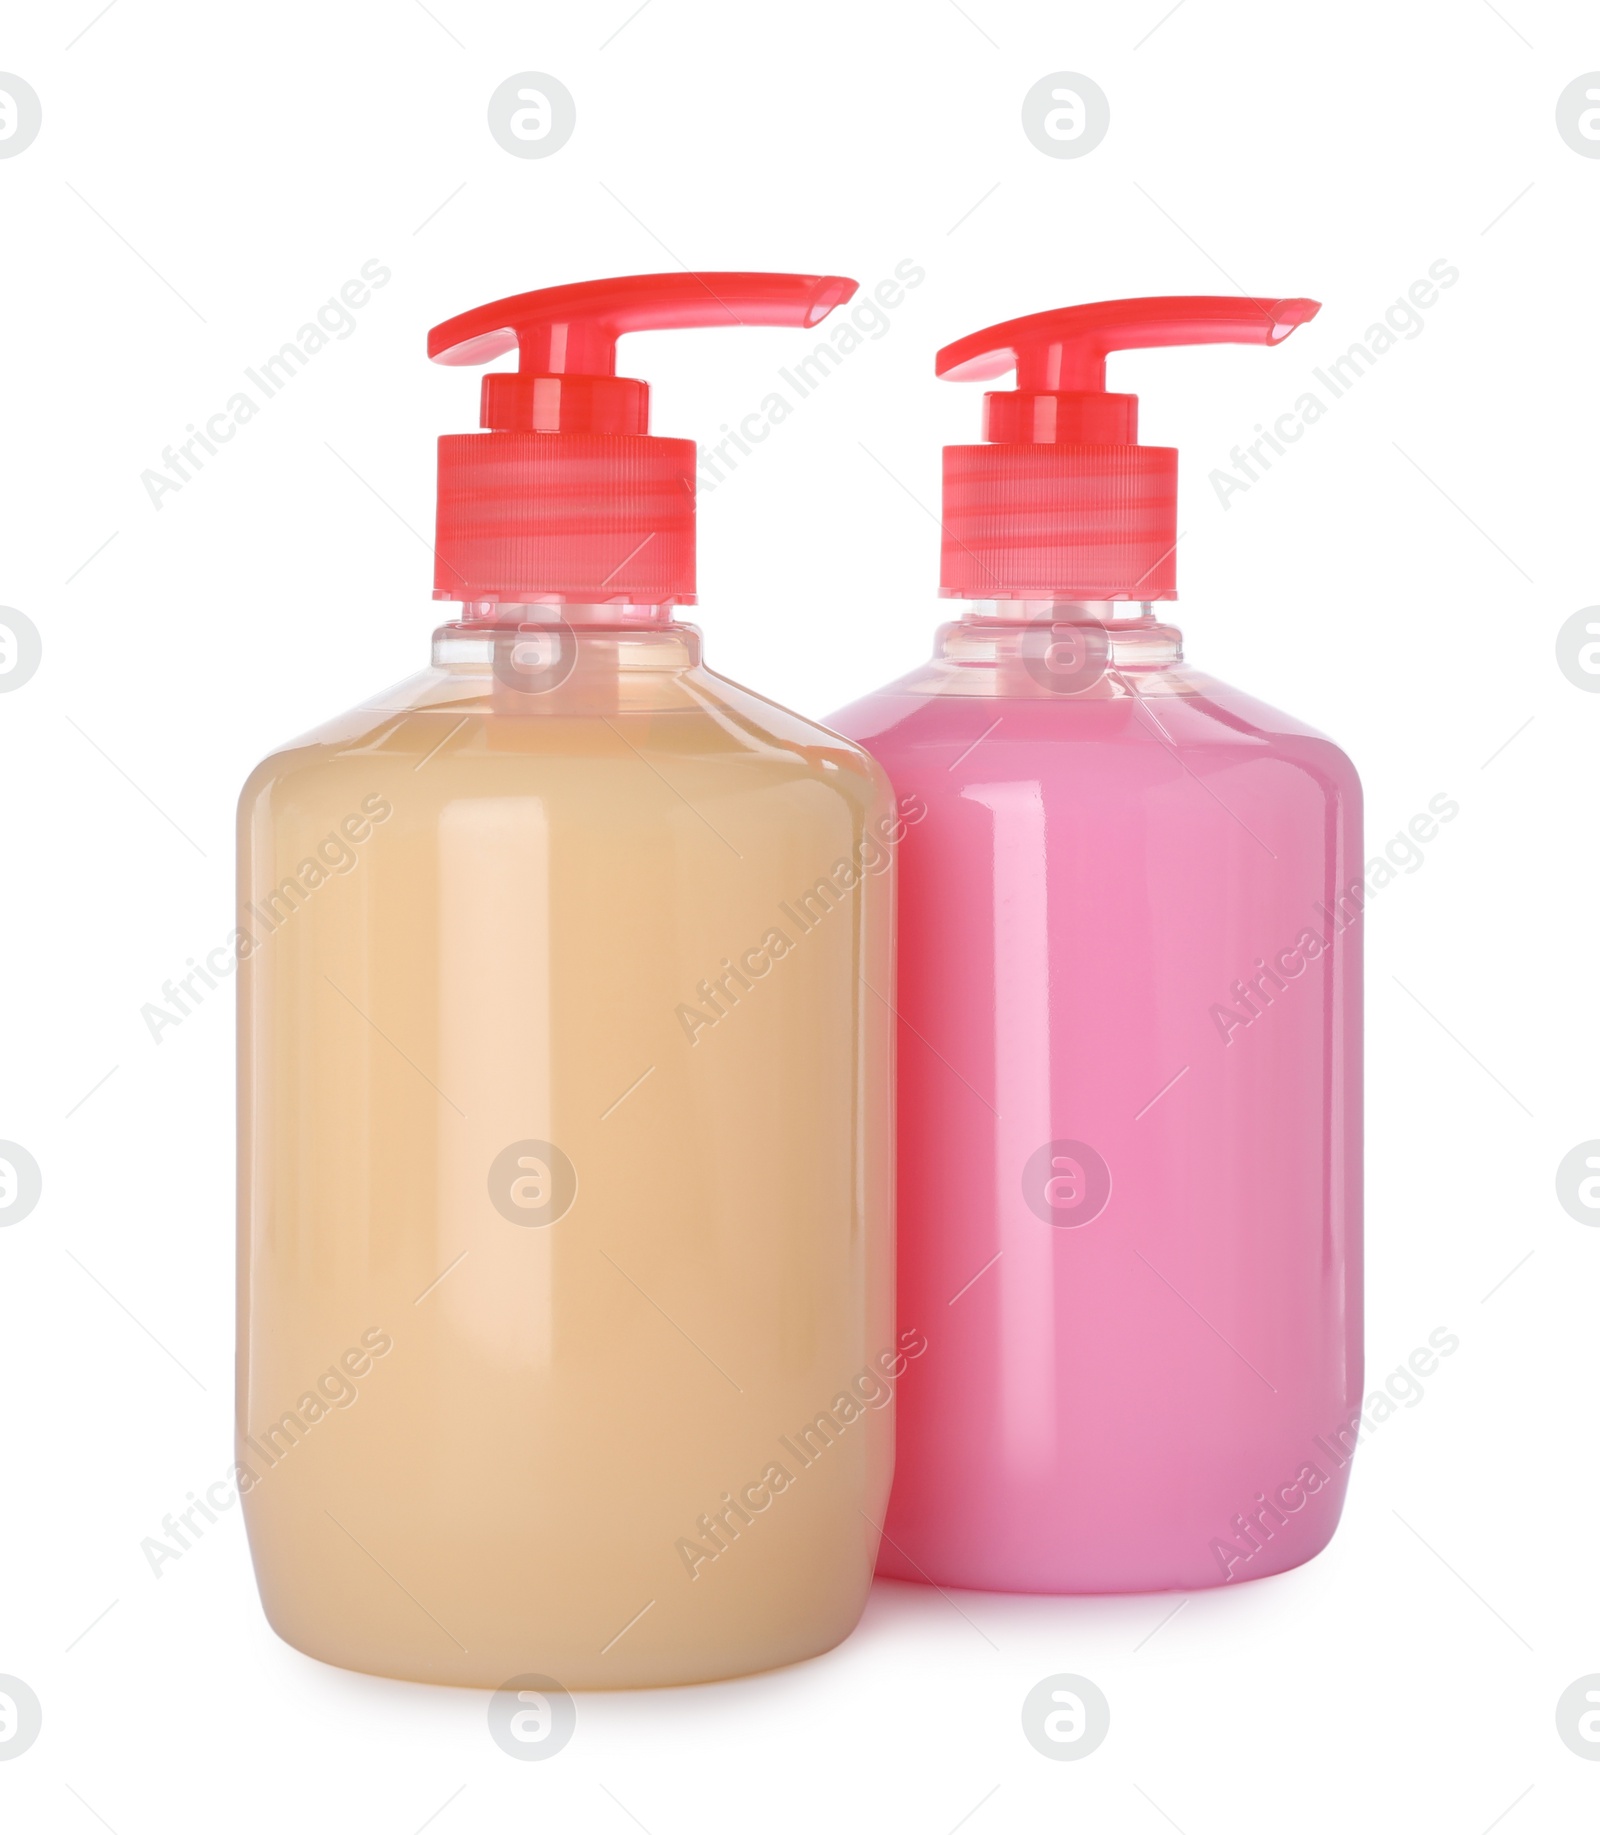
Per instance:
(1062,502)
(567,495)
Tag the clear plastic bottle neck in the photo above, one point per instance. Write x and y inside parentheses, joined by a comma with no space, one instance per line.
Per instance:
(558,656)
(555,609)
(1052,611)
(1099,649)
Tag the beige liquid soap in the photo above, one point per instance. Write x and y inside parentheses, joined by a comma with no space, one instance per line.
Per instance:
(566,1343)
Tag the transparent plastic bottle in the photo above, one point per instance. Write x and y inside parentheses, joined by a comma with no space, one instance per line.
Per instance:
(566,1333)
(1129,1092)
(1130,1024)
(572,927)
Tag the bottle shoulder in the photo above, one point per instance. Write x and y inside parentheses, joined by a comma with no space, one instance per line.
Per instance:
(696,718)
(1142,728)
(815,740)
(1176,702)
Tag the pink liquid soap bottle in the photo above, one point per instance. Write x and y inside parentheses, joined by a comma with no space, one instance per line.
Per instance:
(1129,989)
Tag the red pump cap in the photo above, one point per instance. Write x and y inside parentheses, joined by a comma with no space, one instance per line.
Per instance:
(1063,503)
(568,496)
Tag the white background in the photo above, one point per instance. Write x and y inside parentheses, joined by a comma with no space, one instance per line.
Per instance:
(206,177)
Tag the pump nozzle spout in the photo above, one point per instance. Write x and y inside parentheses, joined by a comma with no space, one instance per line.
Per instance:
(570,333)
(568,495)
(1062,501)
(1067,348)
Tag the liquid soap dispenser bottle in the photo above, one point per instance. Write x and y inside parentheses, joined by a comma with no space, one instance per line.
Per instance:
(566,1340)
(1129,991)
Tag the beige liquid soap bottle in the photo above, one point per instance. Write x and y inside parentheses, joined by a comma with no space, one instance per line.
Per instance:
(566,1344)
